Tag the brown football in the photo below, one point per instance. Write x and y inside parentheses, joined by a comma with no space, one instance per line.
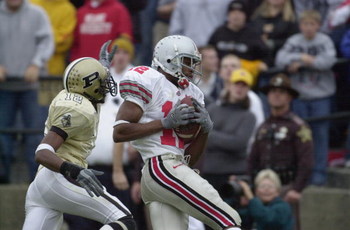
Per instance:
(189,131)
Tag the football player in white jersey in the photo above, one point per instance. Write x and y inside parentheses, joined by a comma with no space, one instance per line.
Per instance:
(151,110)
(63,183)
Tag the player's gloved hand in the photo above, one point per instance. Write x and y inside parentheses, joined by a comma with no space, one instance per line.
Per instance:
(178,115)
(86,178)
(105,57)
(202,117)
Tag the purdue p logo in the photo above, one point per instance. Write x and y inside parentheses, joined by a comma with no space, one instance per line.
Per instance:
(89,79)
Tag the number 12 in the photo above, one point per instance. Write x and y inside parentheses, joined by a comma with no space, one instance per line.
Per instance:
(169,137)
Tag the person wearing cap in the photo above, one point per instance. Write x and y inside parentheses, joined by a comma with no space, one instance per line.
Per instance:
(228,64)
(283,142)
(236,37)
(226,151)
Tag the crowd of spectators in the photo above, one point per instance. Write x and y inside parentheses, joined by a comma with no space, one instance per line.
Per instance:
(252,50)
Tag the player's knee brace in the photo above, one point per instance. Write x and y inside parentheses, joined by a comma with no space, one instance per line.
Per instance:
(125,223)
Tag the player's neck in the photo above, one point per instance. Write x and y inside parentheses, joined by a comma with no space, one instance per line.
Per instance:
(169,77)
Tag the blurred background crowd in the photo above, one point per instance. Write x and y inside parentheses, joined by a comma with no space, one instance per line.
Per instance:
(276,82)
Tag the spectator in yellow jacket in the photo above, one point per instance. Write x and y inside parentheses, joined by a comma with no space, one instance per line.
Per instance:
(62,15)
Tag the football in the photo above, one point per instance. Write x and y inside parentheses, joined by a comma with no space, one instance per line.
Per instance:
(189,131)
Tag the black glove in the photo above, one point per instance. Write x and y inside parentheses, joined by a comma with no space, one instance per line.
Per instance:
(202,117)
(105,57)
(86,178)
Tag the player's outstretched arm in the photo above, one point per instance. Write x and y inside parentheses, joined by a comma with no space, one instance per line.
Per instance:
(45,155)
(86,178)
(127,128)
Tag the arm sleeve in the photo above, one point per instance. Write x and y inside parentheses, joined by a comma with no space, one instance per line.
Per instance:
(286,55)
(45,43)
(70,121)
(304,151)
(135,88)
(326,59)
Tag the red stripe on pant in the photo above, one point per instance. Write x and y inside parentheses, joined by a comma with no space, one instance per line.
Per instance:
(192,198)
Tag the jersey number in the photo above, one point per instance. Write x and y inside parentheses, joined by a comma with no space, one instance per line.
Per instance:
(74,97)
(141,69)
(169,137)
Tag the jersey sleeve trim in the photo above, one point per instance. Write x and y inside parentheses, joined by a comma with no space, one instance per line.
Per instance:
(59,131)
(134,89)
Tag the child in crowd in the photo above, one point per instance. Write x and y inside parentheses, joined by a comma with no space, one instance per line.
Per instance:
(266,209)
(308,57)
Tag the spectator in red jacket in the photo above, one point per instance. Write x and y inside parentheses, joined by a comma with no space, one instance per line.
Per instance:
(99,21)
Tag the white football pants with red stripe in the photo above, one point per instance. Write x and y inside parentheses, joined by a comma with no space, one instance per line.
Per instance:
(50,195)
(172,191)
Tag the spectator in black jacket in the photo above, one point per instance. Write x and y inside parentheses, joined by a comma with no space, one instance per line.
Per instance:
(238,38)
(275,22)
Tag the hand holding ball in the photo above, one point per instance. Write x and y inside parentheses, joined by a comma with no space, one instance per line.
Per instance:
(190,130)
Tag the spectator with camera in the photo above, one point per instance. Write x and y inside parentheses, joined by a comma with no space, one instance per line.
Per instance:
(283,142)
(266,210)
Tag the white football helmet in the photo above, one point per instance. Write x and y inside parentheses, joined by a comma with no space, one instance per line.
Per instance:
(169,54)
(88,77)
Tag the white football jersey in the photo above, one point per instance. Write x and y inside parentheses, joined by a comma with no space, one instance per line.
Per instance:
(156,96)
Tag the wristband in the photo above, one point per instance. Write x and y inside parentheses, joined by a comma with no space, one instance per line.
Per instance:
(70,170)
(119,122)
(45,146)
